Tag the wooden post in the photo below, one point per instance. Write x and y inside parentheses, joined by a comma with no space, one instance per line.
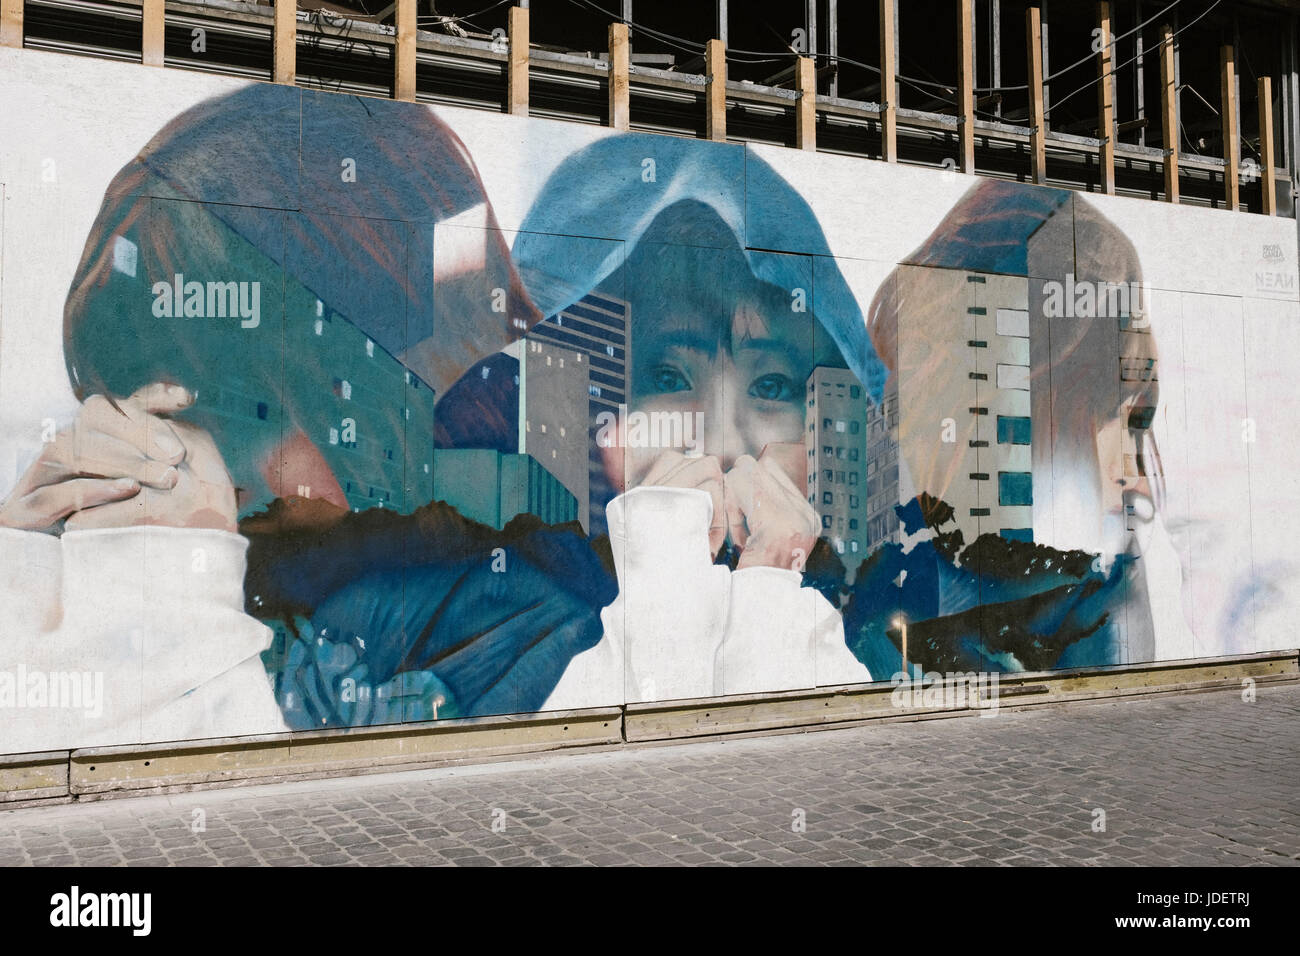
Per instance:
(517,67)
(152,26)
(11,23)
(888,82)
(715,70)
(285,69)
(404,51)
(966,86)
(1268,185)
(805,107)
(620,64)
(1037,122)
(1106,99)
(1169,112)
(1231,145)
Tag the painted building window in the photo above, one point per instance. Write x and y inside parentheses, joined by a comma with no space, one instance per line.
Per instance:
(1013,430)
(1141,415)
(1015,488)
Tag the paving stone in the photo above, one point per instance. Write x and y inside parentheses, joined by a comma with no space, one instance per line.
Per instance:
(1196,779)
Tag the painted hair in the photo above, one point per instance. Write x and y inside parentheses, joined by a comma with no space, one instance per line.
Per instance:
(333,216)
(1086,370)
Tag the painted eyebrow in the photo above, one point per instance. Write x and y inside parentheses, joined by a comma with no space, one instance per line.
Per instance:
(785,349)
(690,341)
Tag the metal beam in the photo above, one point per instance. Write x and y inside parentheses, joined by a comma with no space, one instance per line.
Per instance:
(833,43)
(1047,60)
(1139,76)
(995,50)
(1291,100)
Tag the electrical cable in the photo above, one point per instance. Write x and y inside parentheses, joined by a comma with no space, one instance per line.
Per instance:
(438,18)
(1061,72)
(1111,72)
(922,86)
(689,46)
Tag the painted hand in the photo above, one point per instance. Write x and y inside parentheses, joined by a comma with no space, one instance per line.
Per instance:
(126,464)
(779,527)
(674,469)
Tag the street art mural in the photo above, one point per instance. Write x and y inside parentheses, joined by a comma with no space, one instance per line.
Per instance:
(321,411)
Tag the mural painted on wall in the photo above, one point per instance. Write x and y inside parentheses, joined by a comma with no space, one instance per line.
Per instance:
(345,450)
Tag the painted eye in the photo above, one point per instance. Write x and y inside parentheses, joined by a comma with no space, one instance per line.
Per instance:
(665,378)
(772,388)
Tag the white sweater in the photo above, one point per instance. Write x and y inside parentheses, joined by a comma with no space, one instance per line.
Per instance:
(128,635)
(138,635)
(683,627)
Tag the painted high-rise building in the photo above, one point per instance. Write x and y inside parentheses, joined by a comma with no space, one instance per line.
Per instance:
(369,415)
(597,326)
(882,470)
(968,425)
(836,434)
(1003,477)
(553,408)
(490,487)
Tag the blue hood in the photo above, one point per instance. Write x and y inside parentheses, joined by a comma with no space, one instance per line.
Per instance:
(616,188)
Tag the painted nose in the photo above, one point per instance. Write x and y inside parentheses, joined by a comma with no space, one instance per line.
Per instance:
(723,428)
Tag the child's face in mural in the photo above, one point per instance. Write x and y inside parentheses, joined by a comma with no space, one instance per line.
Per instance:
(731,361)
(739,379)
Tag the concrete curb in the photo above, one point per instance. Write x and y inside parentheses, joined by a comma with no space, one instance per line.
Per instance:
(97,773)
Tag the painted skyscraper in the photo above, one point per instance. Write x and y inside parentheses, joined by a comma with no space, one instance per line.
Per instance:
(596,326)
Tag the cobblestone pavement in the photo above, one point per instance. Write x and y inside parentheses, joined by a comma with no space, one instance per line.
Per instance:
(1195,779)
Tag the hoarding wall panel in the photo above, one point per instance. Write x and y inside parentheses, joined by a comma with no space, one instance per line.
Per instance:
(489,415)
